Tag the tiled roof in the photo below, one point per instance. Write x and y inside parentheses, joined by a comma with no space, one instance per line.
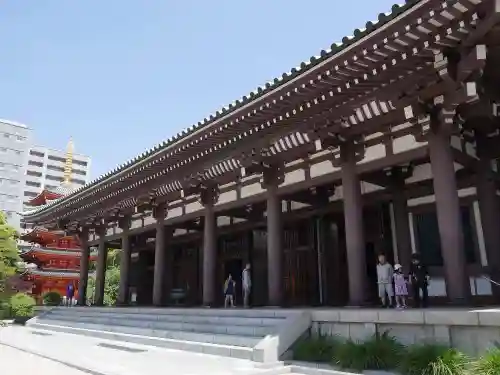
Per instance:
(260,91)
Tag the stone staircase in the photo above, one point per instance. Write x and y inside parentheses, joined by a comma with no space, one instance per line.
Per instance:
(259,335)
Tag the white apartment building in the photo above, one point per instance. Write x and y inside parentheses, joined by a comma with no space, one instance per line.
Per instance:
(45,170)
(15,143)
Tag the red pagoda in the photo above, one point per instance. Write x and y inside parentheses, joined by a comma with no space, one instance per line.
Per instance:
(52,257)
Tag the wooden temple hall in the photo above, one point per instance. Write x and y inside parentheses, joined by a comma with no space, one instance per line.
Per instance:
(385,143)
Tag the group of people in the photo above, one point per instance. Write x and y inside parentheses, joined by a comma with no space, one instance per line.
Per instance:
(394,284)
(230,288)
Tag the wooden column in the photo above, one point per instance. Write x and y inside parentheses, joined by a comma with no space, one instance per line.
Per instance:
(102,258)
(84,267)
(208,198)
(354,231)
(272,177)
(123,291)
(160,258)
(401,217)
(489,208)
(448,208)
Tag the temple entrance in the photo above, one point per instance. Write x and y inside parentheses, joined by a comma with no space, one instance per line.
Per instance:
(186,275)
(300,265)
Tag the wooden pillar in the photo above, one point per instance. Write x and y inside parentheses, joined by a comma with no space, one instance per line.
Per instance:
(208,198)
(123,291)
(354,231)
(160,258)
(102,257)
(448,210)
(84,267)
(272,177)
(401,216)
(489,208)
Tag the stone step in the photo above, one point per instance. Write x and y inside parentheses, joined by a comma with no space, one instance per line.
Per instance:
(169,343)
(224,320)
(233,312)
(202,337)
(216,328)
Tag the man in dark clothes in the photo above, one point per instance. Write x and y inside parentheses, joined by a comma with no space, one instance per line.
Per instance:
(70,293)
(419,279)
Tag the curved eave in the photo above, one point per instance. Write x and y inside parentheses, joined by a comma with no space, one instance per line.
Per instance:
(72,275)
(235,107)
(44,198)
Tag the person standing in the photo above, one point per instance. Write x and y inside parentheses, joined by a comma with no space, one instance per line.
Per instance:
(419,278)
(70,294)
(400,289)
(229,288)
(247,285)
(384,280)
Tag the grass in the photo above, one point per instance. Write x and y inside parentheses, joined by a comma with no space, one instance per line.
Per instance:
(315,349)
(487,364)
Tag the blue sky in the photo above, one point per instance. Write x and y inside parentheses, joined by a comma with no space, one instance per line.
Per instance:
(121,76)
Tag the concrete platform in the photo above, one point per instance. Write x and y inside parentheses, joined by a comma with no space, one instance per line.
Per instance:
(471,330)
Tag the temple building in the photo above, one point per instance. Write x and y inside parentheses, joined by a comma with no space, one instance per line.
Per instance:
(386,142)
(52,257)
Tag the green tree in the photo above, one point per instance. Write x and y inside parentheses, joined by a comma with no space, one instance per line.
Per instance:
(9,256)
(112,279)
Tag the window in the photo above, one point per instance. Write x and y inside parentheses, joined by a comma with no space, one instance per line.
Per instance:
(33,183)
(429,241)
(6,135)
(50,187)
(54,178)
(78,172)
(30,194)
(3,149)
(17,152)
(80,162)
(76,181)
(34,174)
(35,163)
(37,153)
(55,168)
(14,182)
(19,138)
(57,158)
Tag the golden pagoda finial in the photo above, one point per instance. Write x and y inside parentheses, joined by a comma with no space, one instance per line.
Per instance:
(68,168)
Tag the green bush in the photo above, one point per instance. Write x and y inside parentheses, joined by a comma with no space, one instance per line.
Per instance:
(433,359)
(52,299)
(379,352)
(22,305)
(487,364)
(315,349)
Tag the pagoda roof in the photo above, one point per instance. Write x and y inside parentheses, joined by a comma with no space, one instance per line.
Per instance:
(238,108)
(62,274)
(47,196)
(76,253)
(41,232)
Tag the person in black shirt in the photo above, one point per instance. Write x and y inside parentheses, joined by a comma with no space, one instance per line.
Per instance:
(419,279)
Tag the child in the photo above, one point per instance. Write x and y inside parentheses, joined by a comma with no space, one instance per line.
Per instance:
(229,289)
(400,286)
(384,281)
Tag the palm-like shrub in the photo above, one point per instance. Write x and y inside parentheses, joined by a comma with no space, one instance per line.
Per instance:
(487,364)
(433,359)
(315,349)
(379,352)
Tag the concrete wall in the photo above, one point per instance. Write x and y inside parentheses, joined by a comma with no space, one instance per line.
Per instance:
(472,331)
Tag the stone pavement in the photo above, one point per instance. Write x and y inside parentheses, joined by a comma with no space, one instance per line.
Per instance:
(42,352)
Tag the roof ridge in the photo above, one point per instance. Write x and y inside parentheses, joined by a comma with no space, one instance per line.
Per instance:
(305,66)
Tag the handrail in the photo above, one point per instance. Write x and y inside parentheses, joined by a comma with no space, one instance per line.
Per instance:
(491,281)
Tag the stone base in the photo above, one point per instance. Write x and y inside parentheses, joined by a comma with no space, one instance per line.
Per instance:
(469,330)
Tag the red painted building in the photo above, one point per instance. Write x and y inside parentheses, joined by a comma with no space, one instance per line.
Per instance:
(53,257)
